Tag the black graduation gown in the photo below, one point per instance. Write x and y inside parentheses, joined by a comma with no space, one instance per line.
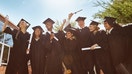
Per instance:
(128,51)
(70,54)
(117,45)
(102,59)
(128,35)
(84,37)
(18,57)
(38,51)
(54,57)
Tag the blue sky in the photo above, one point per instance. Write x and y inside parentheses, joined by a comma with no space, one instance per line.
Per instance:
(36,11)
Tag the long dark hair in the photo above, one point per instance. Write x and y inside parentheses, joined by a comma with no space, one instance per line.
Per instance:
(39,35)
(116,25)
(18,31)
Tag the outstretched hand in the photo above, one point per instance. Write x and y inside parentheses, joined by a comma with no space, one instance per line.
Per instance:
(6,19)
(61,27)
(70,15)
(64,21)
(5,23)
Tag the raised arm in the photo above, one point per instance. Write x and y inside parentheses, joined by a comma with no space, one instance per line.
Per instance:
(68,20)
(6,29)
(5,19)
(70,16)
(61,27)
(5,24)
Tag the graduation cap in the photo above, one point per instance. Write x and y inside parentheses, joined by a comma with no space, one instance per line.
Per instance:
(48,20)
(94,23)
(39,27)
(110,20)
(70,29)
(28,24)
(80,18)
(67,27)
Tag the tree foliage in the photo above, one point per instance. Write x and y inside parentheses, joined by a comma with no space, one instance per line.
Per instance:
(120,9)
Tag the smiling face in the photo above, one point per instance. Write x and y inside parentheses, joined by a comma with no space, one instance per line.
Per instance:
(49,26)
(107,26)
(69,35)
(23,25)
(37,32)
(81,23)
(93,27)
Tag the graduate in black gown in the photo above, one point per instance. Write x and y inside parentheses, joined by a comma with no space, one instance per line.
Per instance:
(84,36)
(38,51)
(18,57)
(69,43)
(128,61)
(101,58)
(117,44)
(54,57)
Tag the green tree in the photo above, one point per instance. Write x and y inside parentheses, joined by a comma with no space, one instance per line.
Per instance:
(120,9)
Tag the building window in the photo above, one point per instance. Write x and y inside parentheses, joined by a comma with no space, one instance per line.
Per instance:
(5,45)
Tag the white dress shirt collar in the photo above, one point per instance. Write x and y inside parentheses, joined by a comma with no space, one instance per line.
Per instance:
(81,28)
(109,31)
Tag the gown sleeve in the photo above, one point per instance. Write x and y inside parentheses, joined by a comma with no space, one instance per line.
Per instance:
(60,35)
(8,30)
(102,41)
